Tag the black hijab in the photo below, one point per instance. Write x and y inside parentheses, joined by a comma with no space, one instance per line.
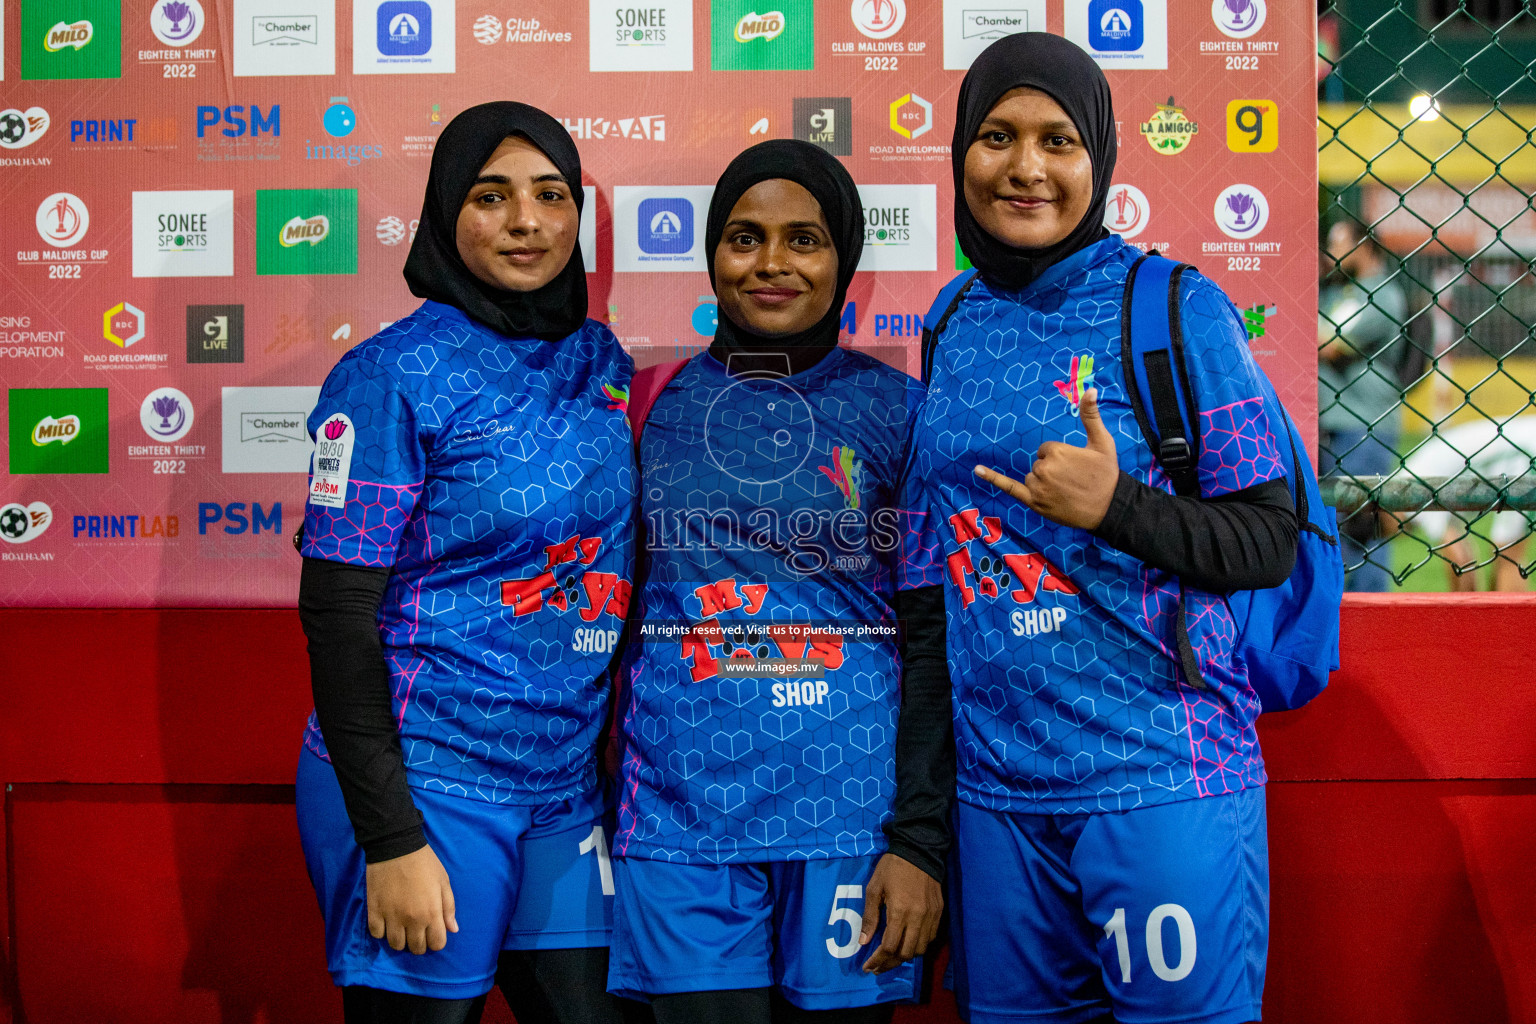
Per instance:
(434,269)
(1069,76)
(825,178)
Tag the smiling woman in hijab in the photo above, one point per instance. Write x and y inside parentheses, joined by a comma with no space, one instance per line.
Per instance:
(467,548)
(1110,837)
(776,793)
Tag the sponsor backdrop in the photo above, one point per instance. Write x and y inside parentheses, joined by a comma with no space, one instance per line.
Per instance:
(209,201)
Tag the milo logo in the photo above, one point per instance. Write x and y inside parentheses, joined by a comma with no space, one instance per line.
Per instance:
(63,430)
(299,230)
(759,26)
(62,35)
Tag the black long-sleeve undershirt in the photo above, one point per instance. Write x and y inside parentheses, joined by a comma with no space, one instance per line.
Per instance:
(925,736)
(1245,540)
(339,609)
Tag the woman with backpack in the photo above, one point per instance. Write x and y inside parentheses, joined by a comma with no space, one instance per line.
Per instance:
(783,785)
(1110,839)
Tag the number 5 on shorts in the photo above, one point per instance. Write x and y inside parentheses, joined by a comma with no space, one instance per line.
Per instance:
(1115,929)
(851,917)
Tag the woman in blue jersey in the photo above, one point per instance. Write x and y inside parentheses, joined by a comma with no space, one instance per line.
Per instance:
(1110,846)
(467,556)
(765,817)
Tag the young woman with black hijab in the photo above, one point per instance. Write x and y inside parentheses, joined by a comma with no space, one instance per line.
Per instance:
(1110,842)
(766,817)
(467,551)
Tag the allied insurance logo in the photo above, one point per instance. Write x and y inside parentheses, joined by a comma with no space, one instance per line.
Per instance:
(62,220)
(403,37)
(666,226)
(1168,131)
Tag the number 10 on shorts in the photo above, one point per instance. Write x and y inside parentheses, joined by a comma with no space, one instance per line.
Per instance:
(1115,929)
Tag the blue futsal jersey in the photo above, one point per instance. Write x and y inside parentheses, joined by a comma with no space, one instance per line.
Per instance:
(494,477)
(1061,647)
(768,509)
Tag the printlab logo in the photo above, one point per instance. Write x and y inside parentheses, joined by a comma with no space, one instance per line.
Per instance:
(1168,131)
(306,231)
(746,35)
(62,220)
(626,36)
(21,128)
(1127,211)
(71,39)
(265,429)
(166,415)
(878,19)
(825,121)
(970,26)
(22,523)
(911,116)
(1241,211)
(402,37)
(1120,33)
(177,22)
(1238,19)
(666,226)
(58,430)
(215,334)
(123,325)
(184,234)
(285,37)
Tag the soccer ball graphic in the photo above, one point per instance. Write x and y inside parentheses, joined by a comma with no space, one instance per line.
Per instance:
(13,127)
(13,521)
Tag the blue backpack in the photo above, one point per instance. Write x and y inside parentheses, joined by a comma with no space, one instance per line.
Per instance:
(1287,636)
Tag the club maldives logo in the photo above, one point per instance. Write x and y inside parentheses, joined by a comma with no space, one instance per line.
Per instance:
(1168,131)
(1241,211)
(65,35)
(392,230)
(177,22)
(768,26)
(166,414)
(878,19)
(21,523)
(21,128)
(1127,211)
(299,230)
(846,473)
(62,220)
(1238,18)
(60,431)
(618,398)
(1079,380)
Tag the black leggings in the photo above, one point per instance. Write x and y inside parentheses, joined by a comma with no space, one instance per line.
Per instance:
(757,1006)
(543,986)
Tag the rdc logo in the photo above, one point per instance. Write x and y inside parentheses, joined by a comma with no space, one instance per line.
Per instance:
(666,226)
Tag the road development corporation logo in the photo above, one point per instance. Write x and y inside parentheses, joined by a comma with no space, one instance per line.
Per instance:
(333,461)
(22,523)
(1123,34)
(900,227)
(62,220)
(184,234)
(73,39)
(1168,131)
(285,37)
(825,121)
(652,36)
(166,415)
(911,116)
(878,19)
(656,227)
(58,430)
(392,37)
(1241,211)
(748,35)
(216,334)
(971,26)
(265,429)
(177,22)
(123,325)
(1127,211)
(306,231)
(1238,19)
(20,128)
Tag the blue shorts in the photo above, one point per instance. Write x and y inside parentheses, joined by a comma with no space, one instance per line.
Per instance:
(1159,915)
(793,925)
(522,878)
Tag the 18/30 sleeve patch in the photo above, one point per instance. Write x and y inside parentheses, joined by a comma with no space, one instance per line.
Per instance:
(334,442)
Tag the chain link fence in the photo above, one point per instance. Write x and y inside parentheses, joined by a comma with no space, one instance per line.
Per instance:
(1426,344)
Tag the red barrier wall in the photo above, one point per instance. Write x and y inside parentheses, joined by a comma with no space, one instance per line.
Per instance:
(152,870)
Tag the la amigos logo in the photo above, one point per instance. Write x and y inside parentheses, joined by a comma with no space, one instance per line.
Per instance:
(299,230)
(62,220)
(1127,211)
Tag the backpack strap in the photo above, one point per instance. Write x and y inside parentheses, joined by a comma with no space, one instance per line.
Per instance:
(944,306)
(1157,379)
(646,386)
